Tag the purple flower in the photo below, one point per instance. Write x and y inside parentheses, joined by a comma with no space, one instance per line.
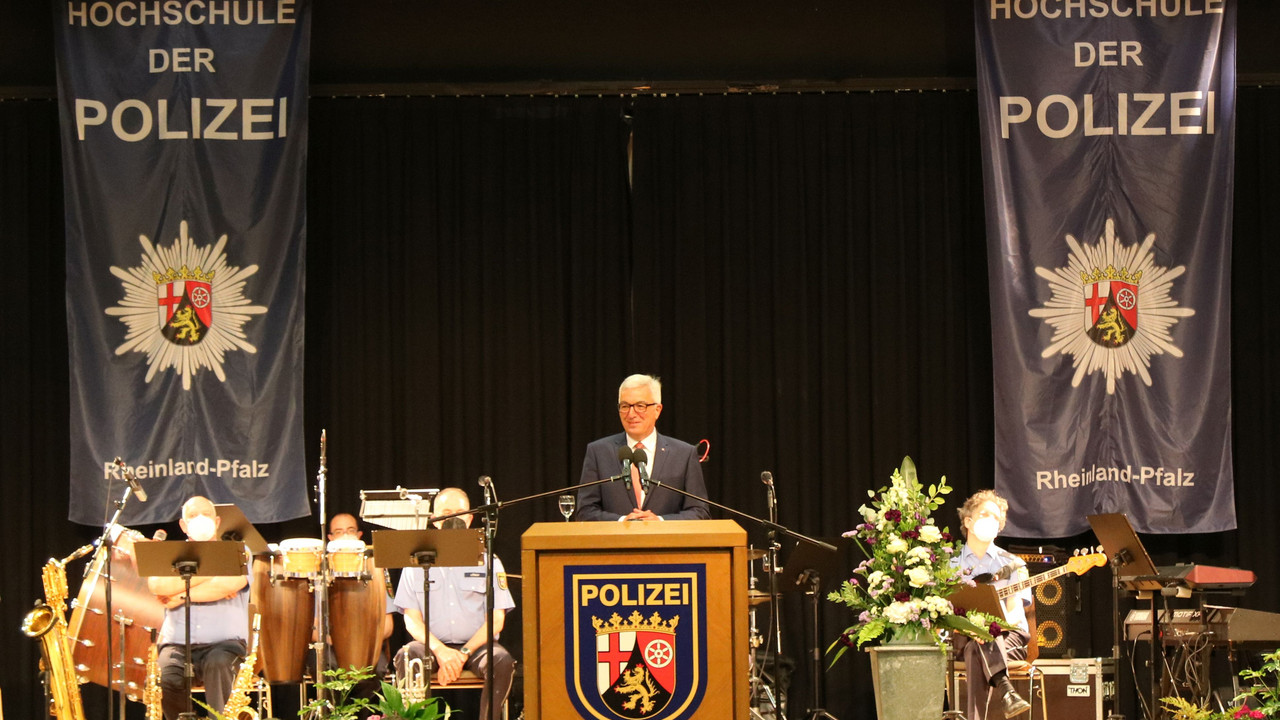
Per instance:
(946,536)
(995,629)
(900,597)
(908,534)
(892,515)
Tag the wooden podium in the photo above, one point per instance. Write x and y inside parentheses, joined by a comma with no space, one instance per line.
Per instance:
(631,620)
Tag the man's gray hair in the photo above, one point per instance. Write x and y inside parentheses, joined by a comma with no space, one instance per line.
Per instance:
(635,381)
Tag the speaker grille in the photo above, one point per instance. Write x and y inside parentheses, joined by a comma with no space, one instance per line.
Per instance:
(1058,621)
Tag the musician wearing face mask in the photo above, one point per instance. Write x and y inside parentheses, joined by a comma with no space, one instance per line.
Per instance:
(219,622)
(982,517)
(457,637)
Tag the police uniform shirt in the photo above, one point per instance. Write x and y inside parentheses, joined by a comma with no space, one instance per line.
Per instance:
(211,622)
(457,598)
(993,562)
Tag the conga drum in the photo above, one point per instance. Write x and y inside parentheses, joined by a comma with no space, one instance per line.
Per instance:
(357,602)
(300,557)
(288,609)
(132,605)
(346,558)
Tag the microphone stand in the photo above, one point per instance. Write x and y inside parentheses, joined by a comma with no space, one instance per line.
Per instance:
(766,524)
(490,530)
(812,580)
(106,543)
(490,509)
(775,611)
(321,582)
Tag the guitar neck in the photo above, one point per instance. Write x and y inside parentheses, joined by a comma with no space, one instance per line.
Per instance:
(1044,577)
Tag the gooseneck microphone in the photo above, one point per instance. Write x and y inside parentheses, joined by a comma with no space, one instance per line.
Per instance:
(134,485)
(766,477)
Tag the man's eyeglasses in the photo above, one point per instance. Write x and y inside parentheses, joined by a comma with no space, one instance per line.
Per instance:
(642,408)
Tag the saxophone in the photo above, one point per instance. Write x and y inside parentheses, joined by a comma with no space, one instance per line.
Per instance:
(48,623)
(237,707)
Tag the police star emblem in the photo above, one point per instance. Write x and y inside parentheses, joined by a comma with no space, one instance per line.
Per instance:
(1099,299)
(635,640)
(184,307)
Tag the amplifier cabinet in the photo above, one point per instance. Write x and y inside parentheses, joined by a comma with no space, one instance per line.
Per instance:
(1074,689)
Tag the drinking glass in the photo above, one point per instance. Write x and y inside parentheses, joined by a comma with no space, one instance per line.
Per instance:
(567,504)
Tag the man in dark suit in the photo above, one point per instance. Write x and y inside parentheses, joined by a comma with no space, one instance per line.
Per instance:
(670,461)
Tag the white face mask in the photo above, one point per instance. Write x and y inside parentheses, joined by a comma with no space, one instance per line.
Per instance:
(201,528)
(985,529)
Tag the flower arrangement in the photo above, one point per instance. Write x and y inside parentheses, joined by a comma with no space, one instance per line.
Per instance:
(900,591)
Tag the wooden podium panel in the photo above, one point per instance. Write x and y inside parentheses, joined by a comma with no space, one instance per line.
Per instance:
(589,584)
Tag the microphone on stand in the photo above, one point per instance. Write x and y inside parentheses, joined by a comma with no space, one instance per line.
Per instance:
(486,482)
(160,535)
(624,456)
(134,485)
(641,458)
(766,477)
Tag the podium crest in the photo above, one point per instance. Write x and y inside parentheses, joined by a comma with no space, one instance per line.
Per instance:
(636,642)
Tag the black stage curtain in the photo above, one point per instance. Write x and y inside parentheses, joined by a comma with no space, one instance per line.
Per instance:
(806,272)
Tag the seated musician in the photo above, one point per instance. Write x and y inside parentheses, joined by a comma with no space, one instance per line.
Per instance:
(982,517)
(457,638)
(219,622)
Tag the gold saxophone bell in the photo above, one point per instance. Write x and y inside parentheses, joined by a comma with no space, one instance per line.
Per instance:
(49,628)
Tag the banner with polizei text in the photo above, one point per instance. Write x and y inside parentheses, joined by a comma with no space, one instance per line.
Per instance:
(1108,138)
(184,136)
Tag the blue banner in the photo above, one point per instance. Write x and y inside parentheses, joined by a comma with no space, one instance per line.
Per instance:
(184,140)
(1108,134)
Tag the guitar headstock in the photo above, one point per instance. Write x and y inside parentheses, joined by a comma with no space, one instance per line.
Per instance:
(1084,561)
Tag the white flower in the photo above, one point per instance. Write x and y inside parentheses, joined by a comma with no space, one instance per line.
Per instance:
(930,534)
(918,554)
(936,606)
(919,576)
(873,580)
(896,546)
(899,613)
(869,514)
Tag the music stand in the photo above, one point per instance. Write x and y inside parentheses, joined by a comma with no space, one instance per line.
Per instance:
(188,559)
(981,597)
(1131,567)
(235,526)
(806,569)
(398,509)
(423,549)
